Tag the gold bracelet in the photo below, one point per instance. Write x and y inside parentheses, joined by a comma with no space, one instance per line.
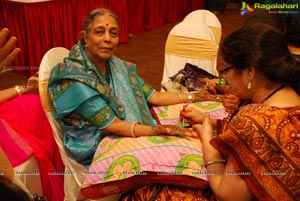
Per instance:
(18,90)
(214,162)
(132,128)
(180,97)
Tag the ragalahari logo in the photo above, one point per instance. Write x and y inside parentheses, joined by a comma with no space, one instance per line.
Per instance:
(246,8)
(272,8)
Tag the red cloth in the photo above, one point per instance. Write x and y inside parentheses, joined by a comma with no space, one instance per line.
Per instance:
(26,116)
(15,147)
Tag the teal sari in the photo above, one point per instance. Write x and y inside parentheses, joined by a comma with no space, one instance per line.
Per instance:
(87,102)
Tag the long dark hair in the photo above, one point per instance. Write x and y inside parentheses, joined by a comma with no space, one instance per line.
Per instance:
(264,47)
(10,191)
(288,24)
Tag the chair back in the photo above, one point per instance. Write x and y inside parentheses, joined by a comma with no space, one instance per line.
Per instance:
(73,180)
(49,60)
(193,41)
(210,19)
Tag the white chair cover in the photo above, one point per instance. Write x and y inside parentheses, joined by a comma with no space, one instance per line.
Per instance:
(195,40)
(209,18)
(31,181)
(72,182)
(27,184)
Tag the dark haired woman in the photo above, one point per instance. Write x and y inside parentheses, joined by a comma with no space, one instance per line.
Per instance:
(257,153)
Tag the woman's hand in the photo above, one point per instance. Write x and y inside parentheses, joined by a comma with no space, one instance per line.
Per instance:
(174,130)
(33,82)
(191,116)
(204,130)
(7,51)
(203,95)
(211,84)
(217,86)
(230,101)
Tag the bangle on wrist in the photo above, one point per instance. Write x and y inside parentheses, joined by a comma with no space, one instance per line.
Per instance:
(217,161)
(18,90)
(132,128)
(190,97)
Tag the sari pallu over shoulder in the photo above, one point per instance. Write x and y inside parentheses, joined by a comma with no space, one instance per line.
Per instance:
(77,87)
(65,75)
(123,79)
(264,144)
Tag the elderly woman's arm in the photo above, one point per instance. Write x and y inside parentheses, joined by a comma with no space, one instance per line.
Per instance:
(170,98)
(129,129)
(97,112)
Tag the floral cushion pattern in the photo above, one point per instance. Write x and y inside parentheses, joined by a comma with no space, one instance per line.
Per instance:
(121,164)
(170,114)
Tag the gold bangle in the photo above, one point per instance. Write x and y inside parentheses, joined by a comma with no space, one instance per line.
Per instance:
(132,128)
(214,162)
(18,90)
(180,97)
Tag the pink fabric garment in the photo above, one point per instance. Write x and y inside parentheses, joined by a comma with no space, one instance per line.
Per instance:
(15,147)
(26,116)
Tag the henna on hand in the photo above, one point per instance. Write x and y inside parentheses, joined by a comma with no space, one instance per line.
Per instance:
(31,84)
(202,95)
(230,101)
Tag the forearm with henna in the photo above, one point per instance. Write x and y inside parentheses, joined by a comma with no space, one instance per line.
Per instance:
(205,95)
(202,95)
(173,130)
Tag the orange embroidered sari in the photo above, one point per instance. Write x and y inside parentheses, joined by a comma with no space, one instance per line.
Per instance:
(265,141)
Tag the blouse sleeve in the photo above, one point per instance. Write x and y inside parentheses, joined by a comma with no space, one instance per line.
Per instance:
(96,111)
(147,88)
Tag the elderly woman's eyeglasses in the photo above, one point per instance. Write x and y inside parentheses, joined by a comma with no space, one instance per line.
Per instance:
(225,70)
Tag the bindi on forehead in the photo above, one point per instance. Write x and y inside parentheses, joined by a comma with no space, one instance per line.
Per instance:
(107,24)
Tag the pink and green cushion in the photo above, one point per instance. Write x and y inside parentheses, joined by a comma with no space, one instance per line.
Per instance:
(123,163)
